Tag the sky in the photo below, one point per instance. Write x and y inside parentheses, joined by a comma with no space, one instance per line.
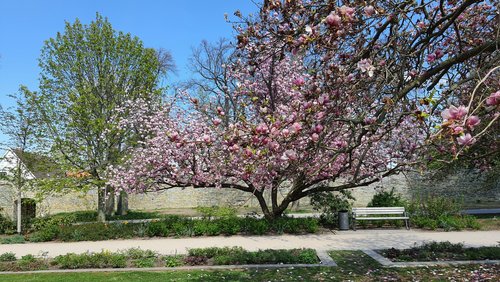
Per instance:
(176,26)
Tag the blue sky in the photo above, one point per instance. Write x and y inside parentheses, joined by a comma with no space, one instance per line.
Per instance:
(174,25)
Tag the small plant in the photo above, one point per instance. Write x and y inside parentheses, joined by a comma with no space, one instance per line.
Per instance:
(8,257)
(329,204)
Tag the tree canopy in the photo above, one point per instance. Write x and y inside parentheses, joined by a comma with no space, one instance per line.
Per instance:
(88,72)
(336,95)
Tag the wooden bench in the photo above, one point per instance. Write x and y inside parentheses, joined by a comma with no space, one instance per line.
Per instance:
(382,213)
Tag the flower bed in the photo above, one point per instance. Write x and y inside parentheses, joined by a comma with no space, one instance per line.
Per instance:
(146,258)
(442,251)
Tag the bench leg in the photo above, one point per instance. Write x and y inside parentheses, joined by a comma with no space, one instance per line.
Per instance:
(354,224)
(407,222)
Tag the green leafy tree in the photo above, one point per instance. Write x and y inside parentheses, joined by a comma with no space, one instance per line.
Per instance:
(87,74)
(19,124)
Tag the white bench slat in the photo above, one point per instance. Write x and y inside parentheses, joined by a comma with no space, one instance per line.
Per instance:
(377,212)
(381,218)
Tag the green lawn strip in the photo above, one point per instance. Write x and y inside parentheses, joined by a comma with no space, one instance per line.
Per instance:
(441,251)
(459,273)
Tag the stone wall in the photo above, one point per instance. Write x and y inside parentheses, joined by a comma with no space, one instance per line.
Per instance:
(473,188)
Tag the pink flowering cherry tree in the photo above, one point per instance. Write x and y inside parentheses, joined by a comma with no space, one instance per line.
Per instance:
(334,96)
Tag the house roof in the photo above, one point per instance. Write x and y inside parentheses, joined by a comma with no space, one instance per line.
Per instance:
(39,165)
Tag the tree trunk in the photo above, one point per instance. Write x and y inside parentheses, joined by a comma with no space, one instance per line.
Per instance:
(101,204)
(122,205)
(19,211)
(110,201)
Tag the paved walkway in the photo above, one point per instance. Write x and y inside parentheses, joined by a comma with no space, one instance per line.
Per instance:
(345,240)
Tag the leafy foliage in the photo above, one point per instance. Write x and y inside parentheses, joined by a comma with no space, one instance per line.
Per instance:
(387,199)
(330,204)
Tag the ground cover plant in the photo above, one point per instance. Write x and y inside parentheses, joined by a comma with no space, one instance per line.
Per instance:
(146,258)
(439,251)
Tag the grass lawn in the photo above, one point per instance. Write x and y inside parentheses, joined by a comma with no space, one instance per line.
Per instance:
(353,265)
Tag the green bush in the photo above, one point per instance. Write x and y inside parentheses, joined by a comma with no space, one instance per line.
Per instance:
(329,204)
(387,199)
(183,228)
(103,259)
(157,228)
(254,226)
(228,226)
(8,257)
(15,239)
(439,212)
(434,207)
(237,255)
(6,224)
(47,233)
(96,232)
(48,222)
(216,212)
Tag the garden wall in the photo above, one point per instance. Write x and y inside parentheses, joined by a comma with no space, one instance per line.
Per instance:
(476,190)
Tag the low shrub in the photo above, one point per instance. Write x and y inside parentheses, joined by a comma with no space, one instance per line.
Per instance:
(48,233)
(216,212)
(387,199)
(174,226)
(103,259)
(329,204)
(434,207)
(254,226)
(48,222)
(8,257)
(440,212)
(14,239)
(157,228)
(138,253)
(228,226)
(442,251)
(6,224)
(214,251)
(237,255)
